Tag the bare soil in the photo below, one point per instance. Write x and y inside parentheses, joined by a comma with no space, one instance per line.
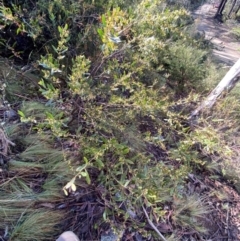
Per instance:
(226,48)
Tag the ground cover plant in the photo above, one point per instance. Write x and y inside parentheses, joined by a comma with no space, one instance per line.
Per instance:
(95,135)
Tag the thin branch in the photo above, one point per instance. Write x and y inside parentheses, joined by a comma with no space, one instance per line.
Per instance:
(10,142)
(227,83)
(227,222)
(153,226)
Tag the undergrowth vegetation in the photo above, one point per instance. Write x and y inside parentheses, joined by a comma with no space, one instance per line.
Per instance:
(103,94)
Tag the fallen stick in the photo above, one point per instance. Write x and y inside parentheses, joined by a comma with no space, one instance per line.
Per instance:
(152,225)
(227,83)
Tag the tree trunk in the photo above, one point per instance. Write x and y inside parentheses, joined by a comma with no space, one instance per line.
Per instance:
(233,5)
(220,9)
(227,83)
(237,9)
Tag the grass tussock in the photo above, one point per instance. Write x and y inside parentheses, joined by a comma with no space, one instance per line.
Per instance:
(37,225)
(33,180)
(188,213)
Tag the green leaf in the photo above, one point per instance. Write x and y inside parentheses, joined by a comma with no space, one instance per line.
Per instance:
(129,161)
(21,114)
(18,30)
(60,29)
(42,83)
(105,215)
(83,174)
(56,51)
(66,26)
(88,180)
(100,164)
(79,169)
(125,151)
(86,160)
(126,183)
(100,32)
(49,115)
(103,20)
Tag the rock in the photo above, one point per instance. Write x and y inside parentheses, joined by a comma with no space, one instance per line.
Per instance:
(10,114)
(111,236)
(138,237)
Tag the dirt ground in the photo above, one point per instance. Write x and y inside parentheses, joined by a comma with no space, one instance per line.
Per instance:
(226,48)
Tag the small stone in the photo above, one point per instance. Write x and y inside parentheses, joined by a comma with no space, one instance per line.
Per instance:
(138,237)
(10,114)
(111,236)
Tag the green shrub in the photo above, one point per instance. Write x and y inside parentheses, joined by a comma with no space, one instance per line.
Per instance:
(102,110)
(185,67)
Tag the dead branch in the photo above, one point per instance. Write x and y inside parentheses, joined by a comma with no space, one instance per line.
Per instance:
(227,83)
(153,226)
(4,143)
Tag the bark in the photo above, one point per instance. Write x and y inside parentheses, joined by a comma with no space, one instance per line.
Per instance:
(220,9)
(222,6)
(237,9)
(227,83)
(232,7)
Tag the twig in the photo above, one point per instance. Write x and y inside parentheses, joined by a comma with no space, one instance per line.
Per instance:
(10,142)
(227,222)
(152,225)
(4,143)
